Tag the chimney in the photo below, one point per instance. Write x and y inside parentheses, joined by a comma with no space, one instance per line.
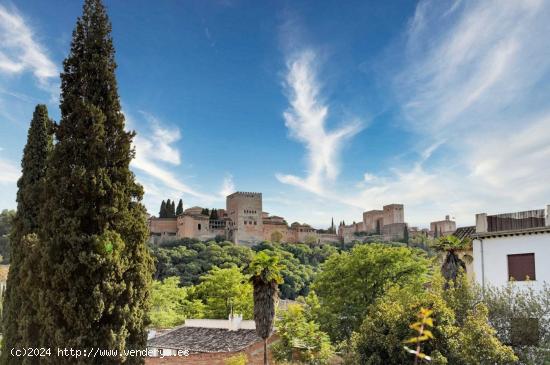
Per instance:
(481,223)
(235,322)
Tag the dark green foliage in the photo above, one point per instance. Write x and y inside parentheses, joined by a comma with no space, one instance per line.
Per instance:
(6,221)
(170,209)
(205,211)
(20,318)
(179,209)
(97,265)
(189,259)
(214,214)
(163,212)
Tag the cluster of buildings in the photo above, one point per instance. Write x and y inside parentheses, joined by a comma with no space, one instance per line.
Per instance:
(243,221)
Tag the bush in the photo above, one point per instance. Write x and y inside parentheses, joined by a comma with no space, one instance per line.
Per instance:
(301,339)
(459,338)
(521,319)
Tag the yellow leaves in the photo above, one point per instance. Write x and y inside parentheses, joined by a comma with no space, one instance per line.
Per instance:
(423,334)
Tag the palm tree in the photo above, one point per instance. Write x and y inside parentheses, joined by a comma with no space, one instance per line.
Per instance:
(265,273)
(452,264)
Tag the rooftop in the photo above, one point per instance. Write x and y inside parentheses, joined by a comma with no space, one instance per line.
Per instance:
(465,232)
(202,339)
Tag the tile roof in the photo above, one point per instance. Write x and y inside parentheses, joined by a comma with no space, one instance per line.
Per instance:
(201,339)
(465,232)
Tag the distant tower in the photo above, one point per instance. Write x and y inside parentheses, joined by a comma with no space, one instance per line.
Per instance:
(245,211)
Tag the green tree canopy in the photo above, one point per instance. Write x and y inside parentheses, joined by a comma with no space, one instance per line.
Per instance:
(225,291)
(171,305)
(351,281)
(300,335)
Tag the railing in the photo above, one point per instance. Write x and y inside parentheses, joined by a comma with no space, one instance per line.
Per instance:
(514,221)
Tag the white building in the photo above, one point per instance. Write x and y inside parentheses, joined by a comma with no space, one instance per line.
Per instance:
(512,247)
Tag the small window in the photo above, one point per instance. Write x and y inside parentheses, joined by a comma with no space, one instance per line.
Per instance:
(521,267)
(199,227)
(254,222)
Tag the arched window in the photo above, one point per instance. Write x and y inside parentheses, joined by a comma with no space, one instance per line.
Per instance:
(199,227)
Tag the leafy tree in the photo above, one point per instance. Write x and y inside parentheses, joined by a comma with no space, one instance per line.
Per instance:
(225,291)
(351,281)
(6,221)
(214,214)
(179,209)
(93,223)
(163,213)
(297,332)
(265,277)
(205,211)
(171,305)
(20,318)
(379,340)
(452,264)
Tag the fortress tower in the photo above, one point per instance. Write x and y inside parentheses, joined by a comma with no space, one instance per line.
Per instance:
(245,211)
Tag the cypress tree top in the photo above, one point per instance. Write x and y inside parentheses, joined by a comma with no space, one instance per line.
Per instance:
(33,165)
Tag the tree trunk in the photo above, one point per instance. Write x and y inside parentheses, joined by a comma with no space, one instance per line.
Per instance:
(265,351)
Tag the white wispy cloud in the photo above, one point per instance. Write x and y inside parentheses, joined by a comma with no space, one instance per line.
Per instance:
(156,157)
(473,87)
(306,121)
(20,50)
(9,172)
(228,186)
(472,82)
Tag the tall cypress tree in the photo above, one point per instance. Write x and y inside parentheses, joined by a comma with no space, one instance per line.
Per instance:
(173,209)
(168,209)
(162,212)
(96,262)
(20,316)
(179,209)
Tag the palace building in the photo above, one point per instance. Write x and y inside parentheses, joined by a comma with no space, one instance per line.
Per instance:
(243,221)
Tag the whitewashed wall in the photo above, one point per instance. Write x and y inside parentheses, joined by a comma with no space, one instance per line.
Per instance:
(495,260)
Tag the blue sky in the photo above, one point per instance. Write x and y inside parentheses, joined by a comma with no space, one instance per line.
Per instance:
(328,108)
